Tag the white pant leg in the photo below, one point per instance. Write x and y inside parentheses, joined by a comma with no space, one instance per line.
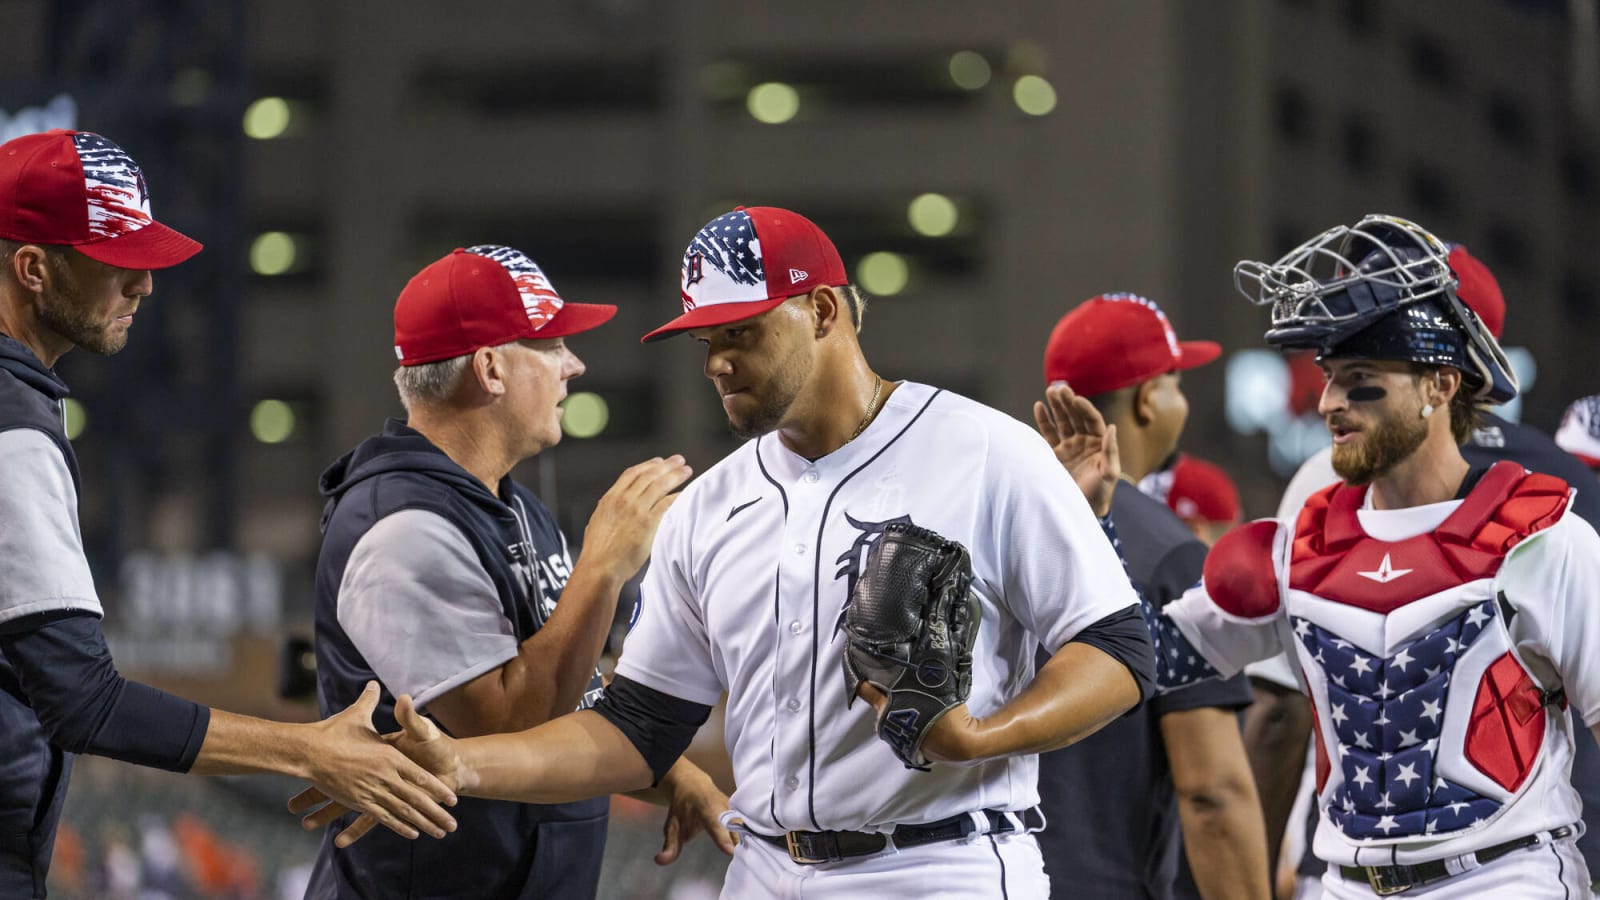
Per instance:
(1554,871)
(989,866)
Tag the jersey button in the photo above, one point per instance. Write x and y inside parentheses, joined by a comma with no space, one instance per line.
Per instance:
(794,705)
(795,627)
(810,477)
(791,782)
(799,549)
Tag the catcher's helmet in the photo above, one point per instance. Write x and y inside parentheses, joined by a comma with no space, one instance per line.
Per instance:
(1379,289)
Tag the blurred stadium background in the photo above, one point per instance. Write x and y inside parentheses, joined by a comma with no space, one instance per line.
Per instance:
(982,167)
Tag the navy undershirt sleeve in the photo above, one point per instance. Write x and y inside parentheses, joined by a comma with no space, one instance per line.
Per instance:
(1123,636)
(65,670)
(660,726)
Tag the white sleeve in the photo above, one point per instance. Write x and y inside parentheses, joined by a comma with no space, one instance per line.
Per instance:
(1059,572)
(668,648)
(417,603)
(42,566)
(1553,583)
(1227,641)
(1233,617)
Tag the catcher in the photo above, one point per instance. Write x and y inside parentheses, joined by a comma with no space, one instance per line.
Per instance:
(816,546)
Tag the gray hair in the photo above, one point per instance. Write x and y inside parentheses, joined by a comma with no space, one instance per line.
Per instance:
(433,383)
(429,383)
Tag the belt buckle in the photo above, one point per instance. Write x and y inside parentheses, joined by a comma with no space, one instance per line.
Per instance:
(1382,886)
(796,854)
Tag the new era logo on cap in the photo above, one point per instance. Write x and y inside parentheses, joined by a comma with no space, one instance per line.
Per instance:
(726,266)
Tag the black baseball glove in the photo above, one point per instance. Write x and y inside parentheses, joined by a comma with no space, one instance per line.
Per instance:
(909,631)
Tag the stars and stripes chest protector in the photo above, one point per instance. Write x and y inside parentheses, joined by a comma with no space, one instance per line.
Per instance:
(1426,721)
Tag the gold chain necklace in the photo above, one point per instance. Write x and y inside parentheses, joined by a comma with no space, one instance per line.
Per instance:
(877,391)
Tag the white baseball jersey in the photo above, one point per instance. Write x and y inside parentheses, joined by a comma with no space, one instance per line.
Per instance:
(753,565)
(1418,764)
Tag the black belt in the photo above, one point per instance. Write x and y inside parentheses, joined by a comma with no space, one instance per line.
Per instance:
(810,848)
(1386,880)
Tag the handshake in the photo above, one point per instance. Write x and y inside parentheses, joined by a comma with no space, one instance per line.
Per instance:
(403,780)
(407,795)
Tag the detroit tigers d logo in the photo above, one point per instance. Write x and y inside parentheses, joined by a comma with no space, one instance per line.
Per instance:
(852,560)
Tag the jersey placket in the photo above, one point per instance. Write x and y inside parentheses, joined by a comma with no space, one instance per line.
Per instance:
(801,637)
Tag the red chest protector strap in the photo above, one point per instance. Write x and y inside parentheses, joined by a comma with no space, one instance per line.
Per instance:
(1506,506)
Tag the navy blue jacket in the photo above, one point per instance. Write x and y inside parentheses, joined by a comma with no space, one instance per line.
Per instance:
(33,772)
(500,848)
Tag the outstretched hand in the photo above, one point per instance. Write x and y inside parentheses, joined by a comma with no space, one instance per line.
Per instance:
(623,525)
(1085,445)
(425,749)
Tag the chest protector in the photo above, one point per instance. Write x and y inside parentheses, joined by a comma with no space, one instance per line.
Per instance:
(1436,723)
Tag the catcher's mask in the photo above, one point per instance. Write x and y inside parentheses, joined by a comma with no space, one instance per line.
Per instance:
(1379,289)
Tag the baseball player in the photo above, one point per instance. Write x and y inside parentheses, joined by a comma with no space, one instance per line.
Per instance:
(1279,750)
(1442,616)
(77,245)
(747,593)
(1181,759)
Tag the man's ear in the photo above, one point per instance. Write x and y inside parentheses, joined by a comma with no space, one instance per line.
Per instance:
(826,307)
(1142,403)
(489,368)
(30,266)
(1446,382)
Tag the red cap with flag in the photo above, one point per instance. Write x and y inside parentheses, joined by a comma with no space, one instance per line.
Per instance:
(77,189)
(483,296)
(748,261)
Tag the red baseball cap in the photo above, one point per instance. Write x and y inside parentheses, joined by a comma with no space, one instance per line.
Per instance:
(1478,289)
(483,296)
(1579,433)
(1116,340)
(79,190)
(1201,490)
(748,261)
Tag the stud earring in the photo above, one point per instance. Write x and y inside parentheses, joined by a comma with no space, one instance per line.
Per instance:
(1427,410)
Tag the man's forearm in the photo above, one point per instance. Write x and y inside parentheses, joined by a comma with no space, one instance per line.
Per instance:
(1079,691)
(553,668)
(1220,815)
(1224,844)
(573,757)
(243,745)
